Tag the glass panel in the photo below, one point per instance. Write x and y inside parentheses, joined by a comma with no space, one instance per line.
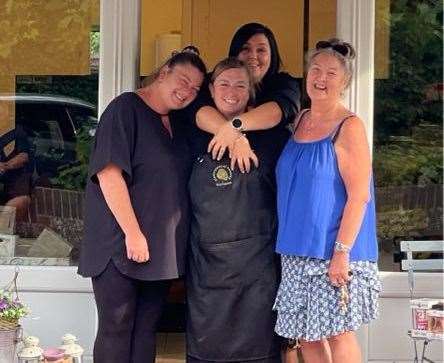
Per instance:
(408,124)
(48,100)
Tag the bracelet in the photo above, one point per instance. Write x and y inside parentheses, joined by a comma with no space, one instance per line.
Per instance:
(241,135)
(341,247)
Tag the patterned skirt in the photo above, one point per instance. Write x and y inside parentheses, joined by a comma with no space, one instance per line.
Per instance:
(309,307)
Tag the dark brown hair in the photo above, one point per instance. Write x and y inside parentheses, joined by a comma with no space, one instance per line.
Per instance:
(184,57)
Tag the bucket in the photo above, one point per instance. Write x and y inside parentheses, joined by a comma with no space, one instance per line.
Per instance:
(8,343)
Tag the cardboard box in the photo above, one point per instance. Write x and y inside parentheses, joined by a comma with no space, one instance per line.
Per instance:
(50,244)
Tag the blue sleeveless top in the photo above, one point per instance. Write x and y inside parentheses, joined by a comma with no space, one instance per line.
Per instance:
(310,199)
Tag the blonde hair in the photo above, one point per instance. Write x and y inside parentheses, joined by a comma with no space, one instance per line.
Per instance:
(342,51)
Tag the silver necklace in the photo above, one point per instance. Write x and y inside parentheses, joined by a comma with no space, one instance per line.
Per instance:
(309,125)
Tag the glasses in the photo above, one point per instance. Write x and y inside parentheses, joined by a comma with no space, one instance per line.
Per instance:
(340,48)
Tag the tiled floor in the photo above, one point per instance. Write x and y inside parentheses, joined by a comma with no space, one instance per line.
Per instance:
(170,348)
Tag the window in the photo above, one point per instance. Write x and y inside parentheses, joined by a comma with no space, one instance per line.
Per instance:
(48,103)
(408,124)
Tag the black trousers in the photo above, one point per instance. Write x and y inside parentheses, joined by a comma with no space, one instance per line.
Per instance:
(129,311)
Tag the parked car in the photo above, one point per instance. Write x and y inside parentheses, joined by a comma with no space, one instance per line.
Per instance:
(51,124)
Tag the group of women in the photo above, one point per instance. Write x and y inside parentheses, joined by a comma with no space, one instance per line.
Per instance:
(201,172)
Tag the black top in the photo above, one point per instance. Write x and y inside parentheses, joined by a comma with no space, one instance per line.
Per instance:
(155,168)
(233,271)
(16,182)
(280,88)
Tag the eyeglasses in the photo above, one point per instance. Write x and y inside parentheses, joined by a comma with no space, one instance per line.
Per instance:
(340,48)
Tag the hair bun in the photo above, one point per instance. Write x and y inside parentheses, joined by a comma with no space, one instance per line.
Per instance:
(191,49)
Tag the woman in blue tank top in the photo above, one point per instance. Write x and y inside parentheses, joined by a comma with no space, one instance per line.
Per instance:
(326,210)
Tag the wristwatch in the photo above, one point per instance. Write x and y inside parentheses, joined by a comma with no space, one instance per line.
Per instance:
(237,124)
(341,247)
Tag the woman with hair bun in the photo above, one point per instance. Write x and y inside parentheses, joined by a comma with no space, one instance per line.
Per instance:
(136,221)
(326,210)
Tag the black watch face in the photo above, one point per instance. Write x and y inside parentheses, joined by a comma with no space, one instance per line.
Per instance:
(236,123)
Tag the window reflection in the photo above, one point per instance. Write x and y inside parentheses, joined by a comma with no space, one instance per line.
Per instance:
(408,124)
(48,99)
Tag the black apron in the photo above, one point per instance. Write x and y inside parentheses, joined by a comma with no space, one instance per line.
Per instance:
(232,275)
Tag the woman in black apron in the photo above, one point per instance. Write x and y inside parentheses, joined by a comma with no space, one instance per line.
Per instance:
(233,272)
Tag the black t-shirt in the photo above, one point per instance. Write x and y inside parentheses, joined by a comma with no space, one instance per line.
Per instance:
(280,88)
(155,167)
(16,181)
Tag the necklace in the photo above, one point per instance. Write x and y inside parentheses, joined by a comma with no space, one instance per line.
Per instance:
(309,125)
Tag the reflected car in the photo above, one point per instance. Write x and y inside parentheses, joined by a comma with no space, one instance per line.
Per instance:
(51,124)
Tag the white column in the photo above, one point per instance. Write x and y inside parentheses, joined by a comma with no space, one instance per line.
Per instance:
(119,48)
(356,24)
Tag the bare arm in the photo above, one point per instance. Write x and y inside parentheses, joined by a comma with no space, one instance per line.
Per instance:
(209,119)
(262,117)
(16,162)
(117,198)
(354,163)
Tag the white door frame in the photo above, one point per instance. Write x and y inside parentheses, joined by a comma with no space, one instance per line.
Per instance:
(356,24)
(119,72)
(119,48)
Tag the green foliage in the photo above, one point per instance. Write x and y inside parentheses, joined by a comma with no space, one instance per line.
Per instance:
(94,44)
(11,309)
(81,87)
(416,63)
(408,165)
(397,223)
(74,177)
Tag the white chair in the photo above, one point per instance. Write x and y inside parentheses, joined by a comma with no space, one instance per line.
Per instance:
(411,264)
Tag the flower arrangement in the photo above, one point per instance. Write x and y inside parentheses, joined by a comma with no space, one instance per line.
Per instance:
(11,309)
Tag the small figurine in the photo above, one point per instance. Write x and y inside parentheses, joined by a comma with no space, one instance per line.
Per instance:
(31,352)
(72,349)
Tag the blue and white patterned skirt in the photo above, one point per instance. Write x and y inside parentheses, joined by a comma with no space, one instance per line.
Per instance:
(309,306)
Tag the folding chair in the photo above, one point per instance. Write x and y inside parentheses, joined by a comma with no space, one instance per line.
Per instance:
(411,264)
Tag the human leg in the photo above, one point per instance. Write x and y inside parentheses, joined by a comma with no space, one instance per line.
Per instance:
(150,303)
(116,300)
(316,352)
(290,355)
(21,204)
(345,348)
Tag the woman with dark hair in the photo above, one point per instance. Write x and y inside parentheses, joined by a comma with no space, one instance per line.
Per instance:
(241,38)
(136,221)
(277,99)
(233,271)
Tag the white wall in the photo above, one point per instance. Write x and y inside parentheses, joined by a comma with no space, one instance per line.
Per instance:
(61,302)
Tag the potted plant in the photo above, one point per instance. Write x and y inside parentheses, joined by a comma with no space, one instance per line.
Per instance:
(11,309)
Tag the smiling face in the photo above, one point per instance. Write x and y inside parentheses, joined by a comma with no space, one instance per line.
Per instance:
(256,54)
(179,85)
(230,92)
(326,79)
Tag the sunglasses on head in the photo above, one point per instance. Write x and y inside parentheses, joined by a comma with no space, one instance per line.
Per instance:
(340,48)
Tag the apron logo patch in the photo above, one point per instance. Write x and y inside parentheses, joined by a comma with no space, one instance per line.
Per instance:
(222,175)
